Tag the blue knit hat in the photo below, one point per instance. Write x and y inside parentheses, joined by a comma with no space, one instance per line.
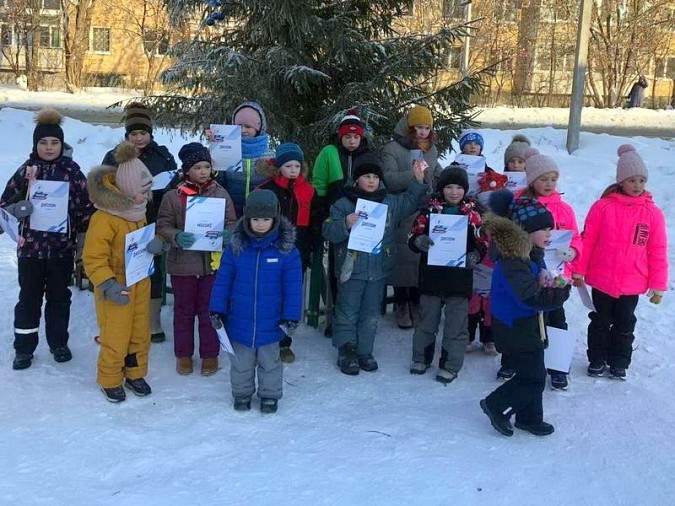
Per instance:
(286,152)
(529,213)
(471,136)
(193,153)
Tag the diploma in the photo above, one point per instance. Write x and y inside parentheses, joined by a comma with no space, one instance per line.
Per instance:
(162,180)
(561,344)
(517,181)
(226,147)
(205,218)
(474,166)
(224,340)
(367,233)
(560,239)
(10,225)
(50,205)
(138,262)
(448,231)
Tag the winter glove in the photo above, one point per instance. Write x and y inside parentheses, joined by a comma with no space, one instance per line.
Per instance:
(577,280)
(655,296)
(288,326)
(115,292)
(423,243)
(185,239)
(216,320)
(20,209)
(566,254)
(157,246)
(472,259)
(79,245)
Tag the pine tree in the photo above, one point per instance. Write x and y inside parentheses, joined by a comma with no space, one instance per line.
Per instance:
(306,62)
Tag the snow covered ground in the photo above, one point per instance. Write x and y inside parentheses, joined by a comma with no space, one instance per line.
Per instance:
(380,438)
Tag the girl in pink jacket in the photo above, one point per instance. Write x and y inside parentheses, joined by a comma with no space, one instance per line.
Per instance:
(625,255)
(542,179)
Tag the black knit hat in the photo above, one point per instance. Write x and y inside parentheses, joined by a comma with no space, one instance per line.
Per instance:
(137,117)
(529,213)
(48,124)
(367,163)
(193,153)
(453,174)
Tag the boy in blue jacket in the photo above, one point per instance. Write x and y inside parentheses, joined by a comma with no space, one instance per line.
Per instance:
(258,289)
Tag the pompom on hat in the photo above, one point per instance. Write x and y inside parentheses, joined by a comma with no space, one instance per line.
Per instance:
(132,177)
(420,115)
(536,165)
(519,145)
(48,124)
(529,213)
(630,164)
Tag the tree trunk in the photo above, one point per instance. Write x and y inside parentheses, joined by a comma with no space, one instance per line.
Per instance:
(528,29)
(76,22)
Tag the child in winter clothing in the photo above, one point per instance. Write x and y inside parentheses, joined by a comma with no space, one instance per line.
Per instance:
(121,196)
(413,132)
(363,275)
(192,275)
(514,155)
(520,291)
(542,177)
(298,204)
(445,286)
(45,262)
(157,159)
(624,255)
(258,290)
(472,143)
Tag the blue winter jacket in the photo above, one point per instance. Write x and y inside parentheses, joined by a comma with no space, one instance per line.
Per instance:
(258,285)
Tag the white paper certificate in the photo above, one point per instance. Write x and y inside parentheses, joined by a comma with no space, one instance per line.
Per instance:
(474,166)
(367,233)
(50,205)
(226,147)
(560,239)
(10,225)
(561,344)
(162,180)
(448,231)
(224,340)
(205,218)
(138,262)
(517,181)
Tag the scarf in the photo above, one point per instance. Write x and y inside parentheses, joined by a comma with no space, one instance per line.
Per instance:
(303,193)
(423,144)
(135,212)
(254,147)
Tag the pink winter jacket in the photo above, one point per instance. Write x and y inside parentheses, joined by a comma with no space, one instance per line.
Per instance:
(625,246)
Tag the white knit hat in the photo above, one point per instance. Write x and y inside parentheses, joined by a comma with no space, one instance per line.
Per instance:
(630,164)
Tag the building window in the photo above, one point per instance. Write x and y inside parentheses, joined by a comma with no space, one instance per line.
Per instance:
(455,58)
(156,42)
(53,5)
(50,36)
(453,9)
(99,41)
(6,35)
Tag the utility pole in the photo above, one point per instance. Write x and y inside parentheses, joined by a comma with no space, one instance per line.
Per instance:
(580,66)
(467,44)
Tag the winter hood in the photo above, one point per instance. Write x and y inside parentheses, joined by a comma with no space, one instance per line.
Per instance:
(283,237)
(103,192)
(511,240)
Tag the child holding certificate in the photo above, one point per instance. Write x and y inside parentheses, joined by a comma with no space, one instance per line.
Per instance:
(362,274)
(625,255)
(445,289)
(258,291)
(542,178)
(121,196)
(299,204)
(45,262)
(191,272)
(521,289)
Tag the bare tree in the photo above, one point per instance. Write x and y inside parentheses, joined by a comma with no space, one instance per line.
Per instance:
(21,46)
(76,23)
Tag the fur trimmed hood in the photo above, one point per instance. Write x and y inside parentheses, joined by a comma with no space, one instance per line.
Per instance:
(511,240)
(103,192)
(283,237)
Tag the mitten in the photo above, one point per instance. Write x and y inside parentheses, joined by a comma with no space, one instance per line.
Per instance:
(288,326)
(566,254)
(216,320)
(655,296)
(20,209)
(115,292)
(423,243)
(157,246)
(185,239)
(472,259)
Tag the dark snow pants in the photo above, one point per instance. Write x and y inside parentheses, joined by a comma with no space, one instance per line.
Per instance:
(610,333)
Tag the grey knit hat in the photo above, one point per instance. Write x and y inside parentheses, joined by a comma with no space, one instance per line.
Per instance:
(519,144)
(262,204)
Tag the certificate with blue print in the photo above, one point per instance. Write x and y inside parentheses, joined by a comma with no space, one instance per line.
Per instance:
(50,205)
(138,263)
(205,218)
(560,240)
(367,233)
(10,225)
(516,181)
(226,147)
(162,180)
(448,231)
(475,165)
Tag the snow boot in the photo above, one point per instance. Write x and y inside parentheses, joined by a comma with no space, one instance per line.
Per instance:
(268,406)
(505,373)
(597,368)
(115,394)
(559,380)
(402,313)
(184,366)
(368,363)
(22,361)
(419,367)
(138,386)
(538,429)
(286,355)
(209,366)
(617,372)
(499,421)
(62,354)
(348,360)
(156,333)
(446,377)
(242,403)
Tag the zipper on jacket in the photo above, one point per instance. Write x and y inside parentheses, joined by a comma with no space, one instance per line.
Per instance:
(255,297)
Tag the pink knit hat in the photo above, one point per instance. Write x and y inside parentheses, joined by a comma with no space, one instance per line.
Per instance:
(132,177)
(536,165)
(248,116)
(630,164)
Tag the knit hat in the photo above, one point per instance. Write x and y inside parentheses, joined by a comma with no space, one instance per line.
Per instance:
(471,136)
(536,165)
(193,153)
(251,114)
(367,163)
(420,115)
(630,164)
(529,213)
(132,177)
(262,204)
(519,144)
(286,152)
(48,124)
(351,124)
(453,174)
(137,117)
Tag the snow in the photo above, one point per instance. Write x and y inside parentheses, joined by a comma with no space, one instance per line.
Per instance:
(379,438)
(91,99)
